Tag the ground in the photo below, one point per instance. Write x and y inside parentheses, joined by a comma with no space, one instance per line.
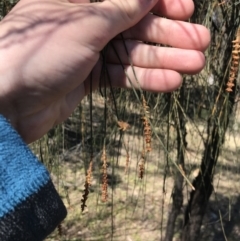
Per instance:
(137,209)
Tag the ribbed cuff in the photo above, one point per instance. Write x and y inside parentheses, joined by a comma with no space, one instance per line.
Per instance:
(35,218)
(30,207)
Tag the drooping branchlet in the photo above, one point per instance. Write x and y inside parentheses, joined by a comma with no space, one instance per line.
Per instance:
(147,131)
(88,183)
(141,165)
(104,176)
(235,62)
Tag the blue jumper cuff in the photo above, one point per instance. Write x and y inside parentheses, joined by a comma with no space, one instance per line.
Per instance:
(30,207)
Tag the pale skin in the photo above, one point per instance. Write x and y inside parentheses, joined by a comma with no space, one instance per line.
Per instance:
(49,48)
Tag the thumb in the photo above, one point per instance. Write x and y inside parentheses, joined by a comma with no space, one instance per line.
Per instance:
(112,17)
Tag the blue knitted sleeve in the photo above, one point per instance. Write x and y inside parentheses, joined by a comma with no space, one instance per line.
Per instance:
(30,207)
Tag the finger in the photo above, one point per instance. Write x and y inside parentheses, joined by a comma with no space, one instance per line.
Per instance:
(174,9)
(174,33)
(148,56)
(154,80)
(110,18)
(78,1)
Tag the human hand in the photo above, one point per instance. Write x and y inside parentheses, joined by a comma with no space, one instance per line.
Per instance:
(48,49)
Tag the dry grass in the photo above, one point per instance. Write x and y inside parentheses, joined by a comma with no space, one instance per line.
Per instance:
(134,207)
